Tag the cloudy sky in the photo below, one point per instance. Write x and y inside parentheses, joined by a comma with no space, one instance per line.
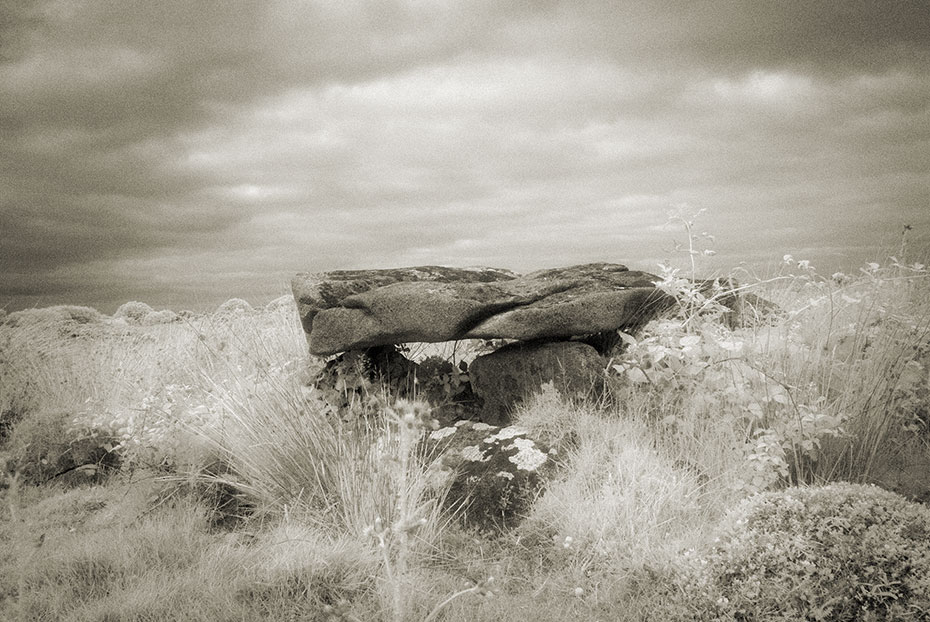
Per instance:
(182,153)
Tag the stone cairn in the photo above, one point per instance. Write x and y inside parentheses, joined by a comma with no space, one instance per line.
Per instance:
(556,324)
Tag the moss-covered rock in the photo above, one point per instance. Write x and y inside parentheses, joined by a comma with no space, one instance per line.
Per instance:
(509,375)
(496,472)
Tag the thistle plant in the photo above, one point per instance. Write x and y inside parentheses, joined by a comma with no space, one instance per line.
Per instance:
(694,297)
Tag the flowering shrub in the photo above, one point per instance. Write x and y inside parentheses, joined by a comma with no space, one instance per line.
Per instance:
(840,552)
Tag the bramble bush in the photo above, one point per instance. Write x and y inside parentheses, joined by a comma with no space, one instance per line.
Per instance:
(816,386)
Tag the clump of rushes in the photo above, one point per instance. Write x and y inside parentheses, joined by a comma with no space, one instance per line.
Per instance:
(368,477)
(414,511)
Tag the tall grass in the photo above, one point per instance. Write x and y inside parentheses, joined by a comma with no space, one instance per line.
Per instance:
(139,383)
(288,450)
(98,553)
(624,497)
(368,478)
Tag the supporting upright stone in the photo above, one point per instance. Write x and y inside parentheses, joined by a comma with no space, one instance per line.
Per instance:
(507,376)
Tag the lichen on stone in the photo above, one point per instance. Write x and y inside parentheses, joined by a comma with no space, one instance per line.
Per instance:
(442,433)
(473,454)
(528,457)
(506,433)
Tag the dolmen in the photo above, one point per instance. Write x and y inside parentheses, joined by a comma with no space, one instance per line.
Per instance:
(556,323)
(555,326)
(550,326)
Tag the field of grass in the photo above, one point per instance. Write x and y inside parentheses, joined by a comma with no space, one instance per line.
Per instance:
(183,467)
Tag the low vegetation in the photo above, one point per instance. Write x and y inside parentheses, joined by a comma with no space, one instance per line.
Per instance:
(836,552)
(162,466)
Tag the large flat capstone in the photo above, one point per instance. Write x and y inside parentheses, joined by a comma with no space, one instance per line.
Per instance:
(351,310)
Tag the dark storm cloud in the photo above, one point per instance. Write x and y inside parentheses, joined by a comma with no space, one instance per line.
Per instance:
(177,150)
(91,100)
(734,35)
(818,37)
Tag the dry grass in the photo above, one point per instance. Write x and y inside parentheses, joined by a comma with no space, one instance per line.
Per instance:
(100,553)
